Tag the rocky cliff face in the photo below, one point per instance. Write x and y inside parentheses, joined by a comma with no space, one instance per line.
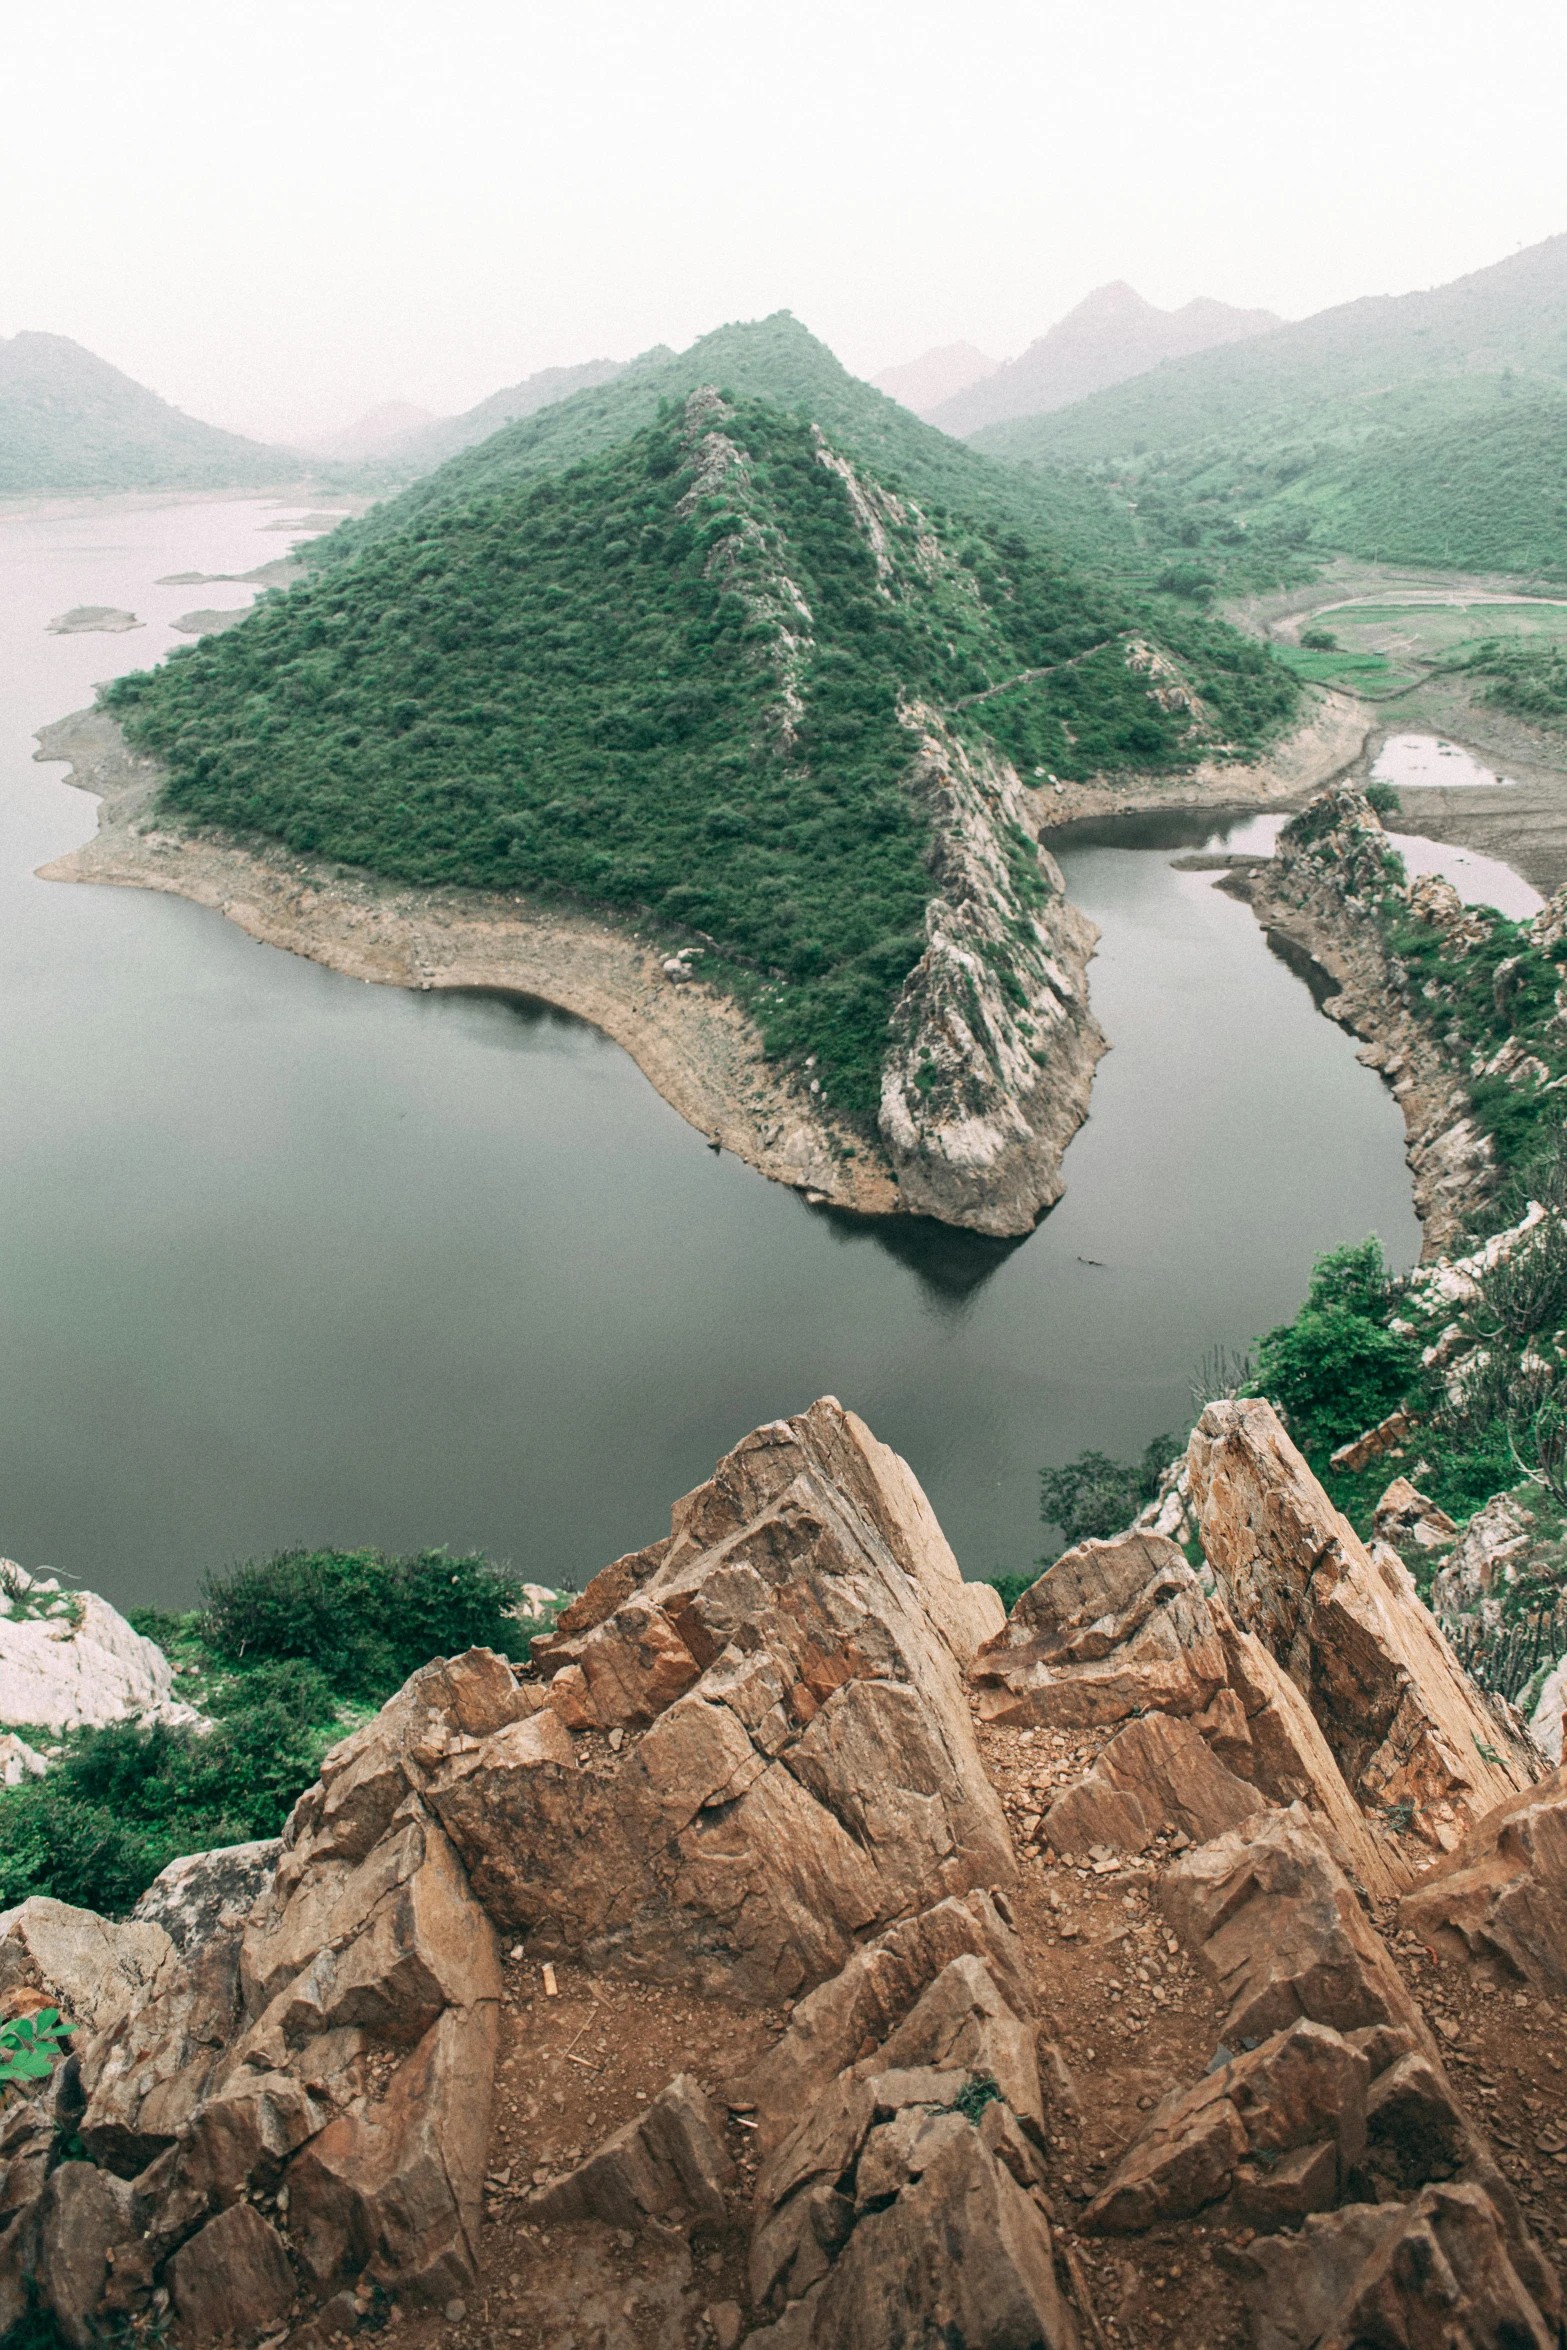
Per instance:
(1330,890)
(737,1972)
(994,1046)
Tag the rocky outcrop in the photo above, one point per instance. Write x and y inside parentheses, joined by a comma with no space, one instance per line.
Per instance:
(1280,2131)
(909,2205)
(69,1661)
(1501,1896)
(1111,1629)
(1435,2271)
(1125,1628)
(1331,884)
(1407,1727)
(756,1748)
(749,1764)
(993,1044)
(1155,1776)
(203,1891)
(93,1970)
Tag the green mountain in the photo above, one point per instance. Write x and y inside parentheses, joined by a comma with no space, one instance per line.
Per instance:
(1426,428)
(779,360)
(432,444)
(683,679)
(71,422)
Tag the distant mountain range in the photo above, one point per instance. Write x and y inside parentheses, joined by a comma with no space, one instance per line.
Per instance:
(443,436)
(922,384)
(1418,428)
(70,422)
(379,430)
(1112,334)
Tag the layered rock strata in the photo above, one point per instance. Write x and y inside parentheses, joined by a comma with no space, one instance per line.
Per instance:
(994,1046)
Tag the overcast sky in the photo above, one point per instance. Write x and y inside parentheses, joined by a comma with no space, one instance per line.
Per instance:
(278,215)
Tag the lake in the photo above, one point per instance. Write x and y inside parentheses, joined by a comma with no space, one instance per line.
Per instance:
(285,1258)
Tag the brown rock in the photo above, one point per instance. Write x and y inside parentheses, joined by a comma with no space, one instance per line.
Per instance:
(83,2217)
(1282,2127)
(809,1773)
(1112,1629)
(963,2255)
(1155,1774)
(1275,1922)
(1280,1748)
(1403,1719)
(1502,1895)
(870,1995)
(1415,2128)
(89,1967)
(397,2188)
(1434,2274)
(1404,1515)
(1360,1454)
(669,2164)
(232,2279)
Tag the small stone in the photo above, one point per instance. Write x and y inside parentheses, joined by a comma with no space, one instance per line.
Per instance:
(725,2319)
(455,2312)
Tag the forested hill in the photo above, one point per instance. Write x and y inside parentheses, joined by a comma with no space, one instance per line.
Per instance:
(71,422)
(779,360)
(668,681)
(1422,428)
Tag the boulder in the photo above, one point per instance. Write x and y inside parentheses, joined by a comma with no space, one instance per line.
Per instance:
(1154,1775)
(1112,1629)
(69,1661)
(1262,1727)
(907,2206)
(84,2218)
(87,1966)
(232,2280)
(668,2165)
(796,1763)
(1545,1723)
(1502,1895)
(19,1762)
(1363,1450)
(870,1995)
(200,1891)
(1405,1723)
(1280,2130)
(1271,1915)
(1404,1516)
(1473,1581)
(1436,2272)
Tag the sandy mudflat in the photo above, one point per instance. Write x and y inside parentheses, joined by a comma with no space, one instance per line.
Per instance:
(692,1043)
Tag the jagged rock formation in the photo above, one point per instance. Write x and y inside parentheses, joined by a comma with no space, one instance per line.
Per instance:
(69,1661)
(994,1046)
(746,1765)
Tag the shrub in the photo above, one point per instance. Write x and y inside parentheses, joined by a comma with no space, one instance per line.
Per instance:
(1318,640)
(364,1620)
(1094,1495)
(1337,1369)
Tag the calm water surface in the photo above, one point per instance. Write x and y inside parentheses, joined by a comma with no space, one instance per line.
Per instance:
(288,1258)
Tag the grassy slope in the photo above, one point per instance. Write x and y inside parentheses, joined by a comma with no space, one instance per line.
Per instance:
(1423,428)
(71,422)
(570,686)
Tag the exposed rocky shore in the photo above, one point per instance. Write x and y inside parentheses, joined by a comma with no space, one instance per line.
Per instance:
(988,1077)
(799,1952)
(1328,892)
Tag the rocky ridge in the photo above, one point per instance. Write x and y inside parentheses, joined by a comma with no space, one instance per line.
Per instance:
(798,1951)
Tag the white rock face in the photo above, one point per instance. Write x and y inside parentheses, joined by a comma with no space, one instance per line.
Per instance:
(93,1969)
(69,1661)
(1545,1723)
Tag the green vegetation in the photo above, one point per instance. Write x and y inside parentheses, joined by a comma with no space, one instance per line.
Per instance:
(31,2046)
(285,1657)
(1337,1369)
(69,421)
(678,700)
(1529,678)
(1428,429)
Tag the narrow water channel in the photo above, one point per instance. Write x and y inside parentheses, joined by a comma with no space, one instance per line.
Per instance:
(287,1258)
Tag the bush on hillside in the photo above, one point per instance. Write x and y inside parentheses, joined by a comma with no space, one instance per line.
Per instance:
(363,1620)
(1095,1496)
(1337,1369)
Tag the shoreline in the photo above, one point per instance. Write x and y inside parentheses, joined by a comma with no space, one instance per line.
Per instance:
(697,1049)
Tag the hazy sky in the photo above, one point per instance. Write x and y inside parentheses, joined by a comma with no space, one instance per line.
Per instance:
(280,214)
